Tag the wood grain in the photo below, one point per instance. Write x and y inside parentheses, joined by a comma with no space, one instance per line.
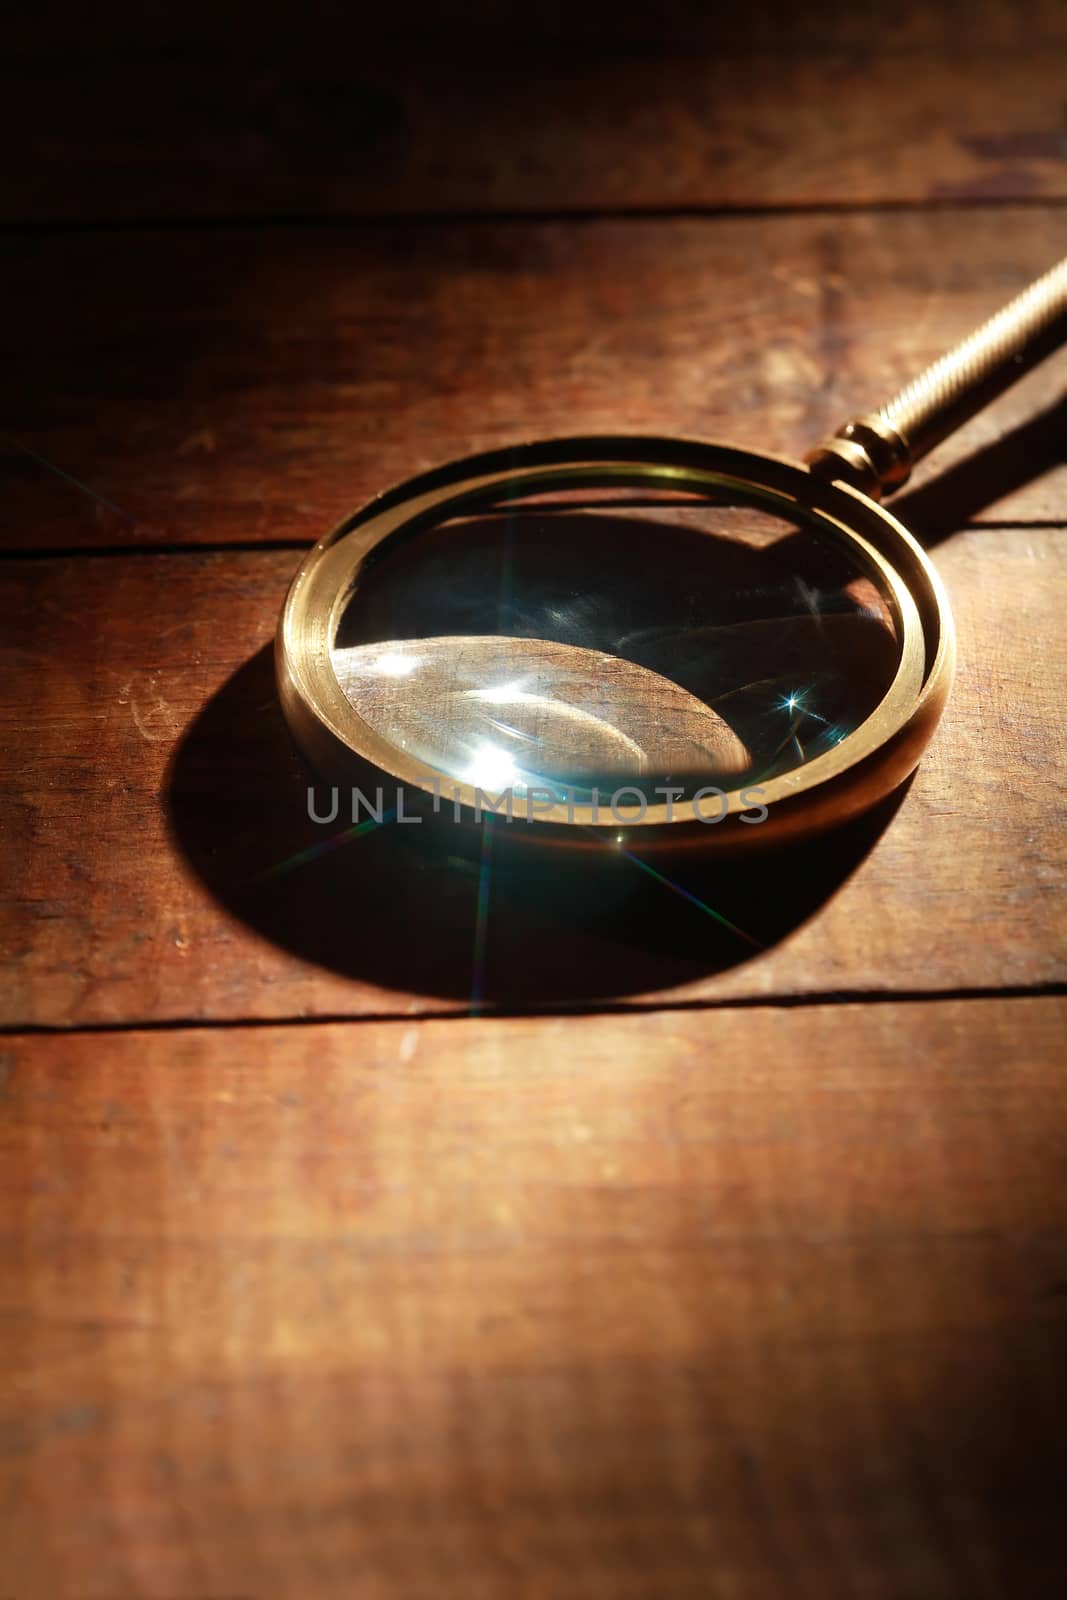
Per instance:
(208,386)
(766,1305)
(156,819)
(353,112)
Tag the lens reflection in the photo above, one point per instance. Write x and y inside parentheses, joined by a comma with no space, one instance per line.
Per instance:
(565,648)
(497,712)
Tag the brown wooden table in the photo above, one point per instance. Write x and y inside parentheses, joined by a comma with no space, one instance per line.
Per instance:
(686,1269)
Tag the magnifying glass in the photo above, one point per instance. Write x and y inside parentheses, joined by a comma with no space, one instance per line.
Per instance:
(613,637)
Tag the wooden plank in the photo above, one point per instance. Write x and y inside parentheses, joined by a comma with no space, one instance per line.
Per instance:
(157,832)
(249,386)
(750,1305)
(775,105)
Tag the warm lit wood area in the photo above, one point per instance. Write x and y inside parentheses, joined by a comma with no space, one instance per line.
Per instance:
(723,1254)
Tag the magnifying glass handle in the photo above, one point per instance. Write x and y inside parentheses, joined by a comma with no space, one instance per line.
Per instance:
(875,452)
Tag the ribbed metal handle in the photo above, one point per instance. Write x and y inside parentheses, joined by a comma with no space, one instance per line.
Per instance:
(875,452)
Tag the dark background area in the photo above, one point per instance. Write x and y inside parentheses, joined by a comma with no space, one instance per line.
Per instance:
(212,112)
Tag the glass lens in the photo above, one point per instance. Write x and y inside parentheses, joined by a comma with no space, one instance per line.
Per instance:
(569,646)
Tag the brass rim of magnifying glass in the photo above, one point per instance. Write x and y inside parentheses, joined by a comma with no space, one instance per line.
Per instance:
(843,781)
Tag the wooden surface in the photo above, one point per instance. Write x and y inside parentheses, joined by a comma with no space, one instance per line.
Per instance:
(292,373)
(735,1266)
(757,1303)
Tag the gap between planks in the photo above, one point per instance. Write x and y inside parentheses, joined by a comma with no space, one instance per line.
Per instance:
(328,222)
(787,1002)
